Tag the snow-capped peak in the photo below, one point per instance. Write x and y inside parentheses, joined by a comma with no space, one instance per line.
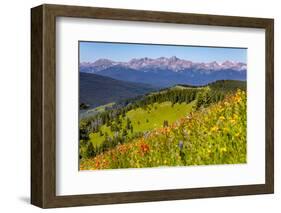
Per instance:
(164,63)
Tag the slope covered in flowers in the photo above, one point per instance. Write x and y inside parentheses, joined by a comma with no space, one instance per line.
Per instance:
(212,135)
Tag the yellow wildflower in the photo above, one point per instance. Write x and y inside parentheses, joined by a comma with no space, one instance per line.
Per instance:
(238,99)
(221,118)
(235,116)
(232,121)
(226,103)
(223,149)
(225,129)
(214,129)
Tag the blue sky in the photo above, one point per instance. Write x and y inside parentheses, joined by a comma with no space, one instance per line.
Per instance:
(92,51)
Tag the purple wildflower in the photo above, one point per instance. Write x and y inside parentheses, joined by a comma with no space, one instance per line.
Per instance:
(180,145)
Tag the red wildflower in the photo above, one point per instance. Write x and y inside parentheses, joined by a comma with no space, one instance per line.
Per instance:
(144,148)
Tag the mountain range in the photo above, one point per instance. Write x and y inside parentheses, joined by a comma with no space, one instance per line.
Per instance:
(165,72)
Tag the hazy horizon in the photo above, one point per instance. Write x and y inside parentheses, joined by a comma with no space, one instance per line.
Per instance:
(158,58)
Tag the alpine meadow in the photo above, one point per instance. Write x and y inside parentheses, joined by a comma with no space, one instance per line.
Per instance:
(148,105)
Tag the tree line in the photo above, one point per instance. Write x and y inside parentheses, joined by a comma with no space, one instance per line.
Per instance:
(114,117)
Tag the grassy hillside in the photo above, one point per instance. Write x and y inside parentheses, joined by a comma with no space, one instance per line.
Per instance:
(146,119)
(212,135)
(113,125)
(133,119)
(85,114)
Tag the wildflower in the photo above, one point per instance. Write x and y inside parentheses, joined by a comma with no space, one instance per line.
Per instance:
(221,118)
(214,129)
(223,149)
(97,164)
(232,121)
(238,99)
(146,134)
(121,148)
(186,133)
(226,129)
(180,145)
(167,130)
(144,148)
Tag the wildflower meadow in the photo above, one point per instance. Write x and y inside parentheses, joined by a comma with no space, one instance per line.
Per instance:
(207,133)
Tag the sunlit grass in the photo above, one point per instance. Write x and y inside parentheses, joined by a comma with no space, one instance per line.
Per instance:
(147,119)
(212,135)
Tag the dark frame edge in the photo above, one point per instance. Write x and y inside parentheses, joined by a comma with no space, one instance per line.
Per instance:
(42,107)
(157,196)
(37,197)
(269,119)
(156,16)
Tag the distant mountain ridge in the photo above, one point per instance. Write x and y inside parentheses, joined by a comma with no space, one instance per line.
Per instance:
(173,63)
(163,71)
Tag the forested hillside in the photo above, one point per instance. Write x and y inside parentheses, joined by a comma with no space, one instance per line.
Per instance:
(212,135)
(143,121)
(96,90)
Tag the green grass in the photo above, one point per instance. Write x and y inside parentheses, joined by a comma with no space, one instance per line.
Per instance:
(184,87)
(101,108)
(208,136)
(176,87)
(148,119)
(91,112)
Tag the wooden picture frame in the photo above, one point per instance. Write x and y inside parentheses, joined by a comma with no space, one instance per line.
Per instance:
(43,105)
